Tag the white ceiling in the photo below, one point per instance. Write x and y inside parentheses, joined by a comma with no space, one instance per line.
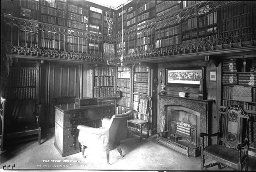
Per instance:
(109,3)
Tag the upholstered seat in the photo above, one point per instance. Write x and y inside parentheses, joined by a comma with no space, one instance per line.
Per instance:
(223,152)
(107,137)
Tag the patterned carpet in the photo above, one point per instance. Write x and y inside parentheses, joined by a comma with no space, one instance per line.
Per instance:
(145,155)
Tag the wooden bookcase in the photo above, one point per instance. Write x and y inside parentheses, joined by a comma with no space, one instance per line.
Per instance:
(239,88)
(23,109)
(23,82)
(141,88)
(104,82)
(124,86)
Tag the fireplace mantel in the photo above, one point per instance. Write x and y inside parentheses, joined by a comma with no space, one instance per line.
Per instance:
(203,107)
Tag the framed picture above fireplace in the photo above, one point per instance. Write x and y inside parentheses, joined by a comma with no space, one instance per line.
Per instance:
(188,77)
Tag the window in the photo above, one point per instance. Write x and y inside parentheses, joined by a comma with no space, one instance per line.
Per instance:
(184,4)
(96,10)
(96,15)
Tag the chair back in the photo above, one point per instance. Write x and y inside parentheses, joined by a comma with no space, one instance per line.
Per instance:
(118,129)
(234,126)
(143,108)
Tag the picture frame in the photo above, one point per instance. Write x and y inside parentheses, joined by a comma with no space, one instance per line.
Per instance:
(213,76)
(187,77)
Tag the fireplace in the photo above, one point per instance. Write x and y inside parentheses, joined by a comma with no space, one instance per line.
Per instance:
(180,122)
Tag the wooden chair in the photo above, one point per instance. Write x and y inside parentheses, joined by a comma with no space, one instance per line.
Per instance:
(141,117)
(107,137)
(232,141)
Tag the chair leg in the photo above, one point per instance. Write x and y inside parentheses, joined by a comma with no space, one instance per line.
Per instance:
(140,133)
(202,161)
(219,165)
(120,151)
(246,166)
(107,154)
(82,149)
(39,135)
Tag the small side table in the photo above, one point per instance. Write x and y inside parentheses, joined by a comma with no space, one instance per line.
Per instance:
(140,123)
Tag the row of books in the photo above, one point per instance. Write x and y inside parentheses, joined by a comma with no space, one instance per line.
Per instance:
(141,87)
(104,92)
(236,10)
(29,4)
(207,20)
(21,93)
(189,24)
(169,31)
(229,78)
(140,68)
(248,79)
(165,5)
(241,79)
(104,71)
(245,105)
(77,25)
(141,77)
(236,22)
(104,81)
(169,11)
(174,40)
(23,77)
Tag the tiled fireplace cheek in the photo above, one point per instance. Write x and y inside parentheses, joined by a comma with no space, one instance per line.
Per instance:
(203,107)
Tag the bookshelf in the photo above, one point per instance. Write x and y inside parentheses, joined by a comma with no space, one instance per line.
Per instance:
(142,98)
(235,23)
(239,88)
(167,32)
(124,85)
(23,82)
(104,82)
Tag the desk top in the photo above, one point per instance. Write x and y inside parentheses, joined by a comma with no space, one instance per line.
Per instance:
(72,107)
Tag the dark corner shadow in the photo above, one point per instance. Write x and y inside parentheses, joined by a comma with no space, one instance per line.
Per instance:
(14,148)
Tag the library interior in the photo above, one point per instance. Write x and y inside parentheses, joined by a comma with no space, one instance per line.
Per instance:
(150,79)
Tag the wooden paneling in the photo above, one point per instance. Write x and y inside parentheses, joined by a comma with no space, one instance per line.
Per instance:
(63,81)
(57,87)
(72,81)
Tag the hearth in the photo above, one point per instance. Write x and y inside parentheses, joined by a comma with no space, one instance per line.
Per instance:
(180,122)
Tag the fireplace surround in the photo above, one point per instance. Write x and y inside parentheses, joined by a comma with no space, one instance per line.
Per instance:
(180,122)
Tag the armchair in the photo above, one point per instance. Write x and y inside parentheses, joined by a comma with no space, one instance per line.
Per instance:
(107,137)
(232,140)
